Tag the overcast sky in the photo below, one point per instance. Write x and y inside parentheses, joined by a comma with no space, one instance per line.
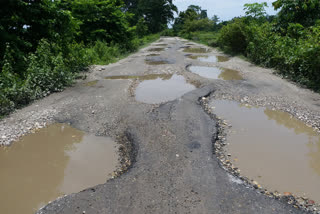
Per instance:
(225,9)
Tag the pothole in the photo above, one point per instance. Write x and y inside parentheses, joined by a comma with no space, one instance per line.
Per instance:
(156,49)
(91,83)
(144,77)
(162,90)
(53,161)
(153,55)
(157,60)
(216,73)
(203,58)
(196,50)
(277,151)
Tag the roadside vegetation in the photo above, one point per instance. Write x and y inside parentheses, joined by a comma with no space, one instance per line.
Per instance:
(45,44)
(288,42)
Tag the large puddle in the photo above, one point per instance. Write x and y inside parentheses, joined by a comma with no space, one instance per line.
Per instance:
(203,58)
(271,147)
(196,50)
(162,90)
(157,60)
(144,77)
(216,73)
(54,161)
(156,49)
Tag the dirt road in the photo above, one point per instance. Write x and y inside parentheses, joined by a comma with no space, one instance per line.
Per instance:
(174,169)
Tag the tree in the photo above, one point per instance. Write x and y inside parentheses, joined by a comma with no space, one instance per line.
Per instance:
(304,12)
(256,10)
(101,20)
(215,19)
(23,23)
(193,19)
(157,13)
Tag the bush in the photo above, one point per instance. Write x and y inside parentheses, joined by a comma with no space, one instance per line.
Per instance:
(232,37)
(46,71)
(295,55)
(77,58)
(168,32)
(102,53)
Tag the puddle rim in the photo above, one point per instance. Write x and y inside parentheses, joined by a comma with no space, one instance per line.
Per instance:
(224,160)
(214,65)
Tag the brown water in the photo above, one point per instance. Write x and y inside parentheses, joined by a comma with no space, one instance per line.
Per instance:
(204,58)
(144,77)
(273,148)
(156,60)
(54,161)
(91,83)
(162,90)
(153,55)
(156,49)
(216,73)
(196,50)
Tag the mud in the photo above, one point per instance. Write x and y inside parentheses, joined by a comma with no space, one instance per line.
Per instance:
(52,162)
(271,147)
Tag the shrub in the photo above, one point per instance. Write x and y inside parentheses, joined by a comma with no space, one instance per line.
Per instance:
(232,37)
(46,71)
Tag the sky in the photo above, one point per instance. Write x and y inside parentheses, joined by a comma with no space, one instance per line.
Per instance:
(224,9)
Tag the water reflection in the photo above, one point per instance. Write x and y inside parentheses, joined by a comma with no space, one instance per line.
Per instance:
(54,161)
(162,90)
(273,148)
(216,73)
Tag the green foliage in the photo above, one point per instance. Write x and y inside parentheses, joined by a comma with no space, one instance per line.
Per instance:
(232,37)
(44,44)
(198,25)
(256,10)
(168,32)
(101,20)
(304,12)
(142,28)
(157,13)
(47,71)
(194,19)
(207,38)
(289,42)
(101,53)
(295,56)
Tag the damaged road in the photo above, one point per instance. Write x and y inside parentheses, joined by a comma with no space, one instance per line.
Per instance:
(171,144)
(175,170)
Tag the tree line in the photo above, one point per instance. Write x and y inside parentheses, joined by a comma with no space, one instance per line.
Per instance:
(289,41)
(45,43)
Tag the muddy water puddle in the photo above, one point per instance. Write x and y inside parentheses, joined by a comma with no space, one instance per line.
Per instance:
(156,49)
(91,83)
(216,73)
(161,45)
(153,55)
(162,90)
(271,147)
(157,60)
(54,161)
(203,58)
(196,50)
(144,77)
